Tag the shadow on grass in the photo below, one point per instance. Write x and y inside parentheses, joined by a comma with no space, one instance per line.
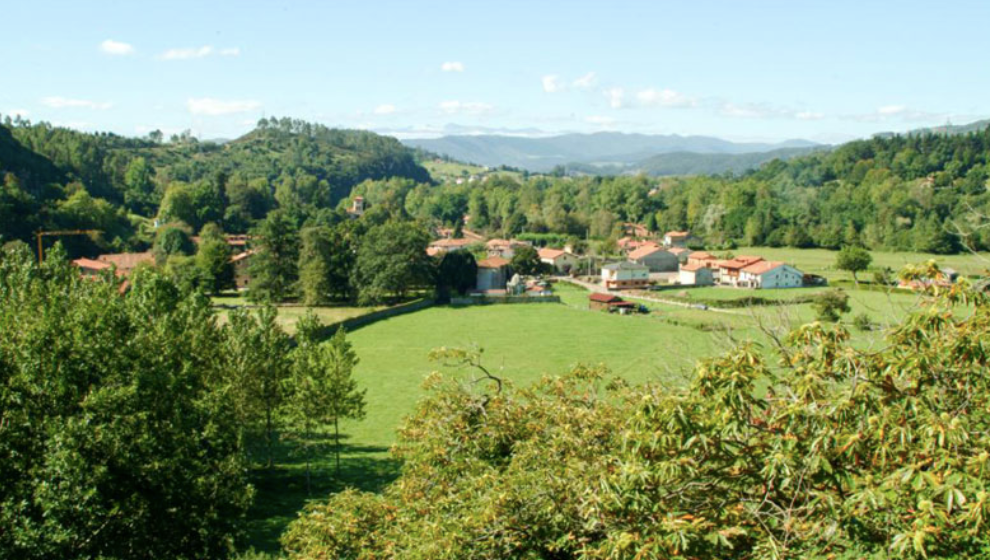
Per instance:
(280,492)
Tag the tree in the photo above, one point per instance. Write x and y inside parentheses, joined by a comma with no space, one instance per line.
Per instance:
(259,356)
(526,261)
(139,195)
(853,259)
(315,266)
(213,259)
(390,261)
(457,272)
(323,388)
(831,304)
(275,267)
(171,239)
(116,436)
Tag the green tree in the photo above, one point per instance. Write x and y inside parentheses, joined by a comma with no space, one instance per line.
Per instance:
(139,195)
(853,259)
(526,261)
(259,366)
(275,267)
(457,272)
(391,260)
(171,239)
(213,259)
(831,304)
(116,438)
(315,262)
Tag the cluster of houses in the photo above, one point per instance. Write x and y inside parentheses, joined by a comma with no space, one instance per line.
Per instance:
(693,268)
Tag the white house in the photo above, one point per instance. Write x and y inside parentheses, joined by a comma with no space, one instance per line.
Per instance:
(771,274)
(493,274)
(695,275)
(655,258)
(562,261)
(623,275)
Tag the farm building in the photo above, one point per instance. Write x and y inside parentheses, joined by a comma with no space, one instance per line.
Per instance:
(608,302)
(681,253)
(446,245)
(493,274)
(628,244)
(695,275)
(771,274)
(655,258)
(635,230)
(504,248)
(624,275)
(562,261)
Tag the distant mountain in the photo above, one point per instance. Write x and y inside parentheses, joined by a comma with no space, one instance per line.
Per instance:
(604,150)
(950,129)
(693,163)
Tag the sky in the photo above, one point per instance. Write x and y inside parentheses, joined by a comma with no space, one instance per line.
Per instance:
(748,71)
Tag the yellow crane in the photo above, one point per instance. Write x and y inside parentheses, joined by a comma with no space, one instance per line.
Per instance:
(42,234)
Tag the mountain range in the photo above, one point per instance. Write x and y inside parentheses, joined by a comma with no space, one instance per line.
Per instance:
(613,152)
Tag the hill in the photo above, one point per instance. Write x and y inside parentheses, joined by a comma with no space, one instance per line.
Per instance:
(693,163)
(58,178)
(603,149)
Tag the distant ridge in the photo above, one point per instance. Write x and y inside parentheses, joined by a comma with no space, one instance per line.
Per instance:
(609,152)
(949,129)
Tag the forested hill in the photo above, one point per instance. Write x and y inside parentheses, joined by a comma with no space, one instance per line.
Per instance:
(60,178)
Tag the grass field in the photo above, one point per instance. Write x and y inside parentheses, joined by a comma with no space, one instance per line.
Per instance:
(289,315)
(525,341)
(822,261)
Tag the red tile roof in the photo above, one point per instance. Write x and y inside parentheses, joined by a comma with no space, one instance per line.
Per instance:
(440,243)
(762,267)
(493,262)
(692,267)
(739,262)
(677,234)
(645,251)
(125,262)
(702,256)
(90,264)
(677,250)
(551,254)
(604,298)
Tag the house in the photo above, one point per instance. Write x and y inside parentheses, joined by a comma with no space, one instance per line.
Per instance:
(703,258)
(947,277)
(681,253)
(655,258)
(628,244)
(635,230)
(504,248)
(447,245)
(677,238)
(729,271)
(241,262)
(695,275)
(357,207)
(608,302)
(624,275)
(235,241)
(126,262)
(771,274)
(562,261)
(89,267)
(493,274)
(444,232)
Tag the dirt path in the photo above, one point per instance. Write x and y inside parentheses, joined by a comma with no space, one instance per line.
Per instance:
(595,287)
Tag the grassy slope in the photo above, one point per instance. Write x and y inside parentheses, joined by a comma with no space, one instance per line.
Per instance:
(822,261)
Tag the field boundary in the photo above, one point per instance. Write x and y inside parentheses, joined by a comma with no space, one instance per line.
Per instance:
(485,300)
(375,316)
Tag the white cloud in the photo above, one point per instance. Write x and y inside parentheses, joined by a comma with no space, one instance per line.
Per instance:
(600,120)
(808,116)
(616,97)
(452,67)
(466,107)
(891,109)
(587,81)
(214,107)
(551,83)
(116,48)
(57,102)
(189,53)
(664,98)
(23,113)
(386,109)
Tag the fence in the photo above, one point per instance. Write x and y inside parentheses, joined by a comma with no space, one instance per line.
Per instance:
(488,300)
(374,317)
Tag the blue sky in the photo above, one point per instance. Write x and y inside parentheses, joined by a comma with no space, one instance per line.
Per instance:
(754,70)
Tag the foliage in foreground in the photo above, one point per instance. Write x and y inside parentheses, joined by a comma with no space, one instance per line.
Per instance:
(118,438)
(831,452)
